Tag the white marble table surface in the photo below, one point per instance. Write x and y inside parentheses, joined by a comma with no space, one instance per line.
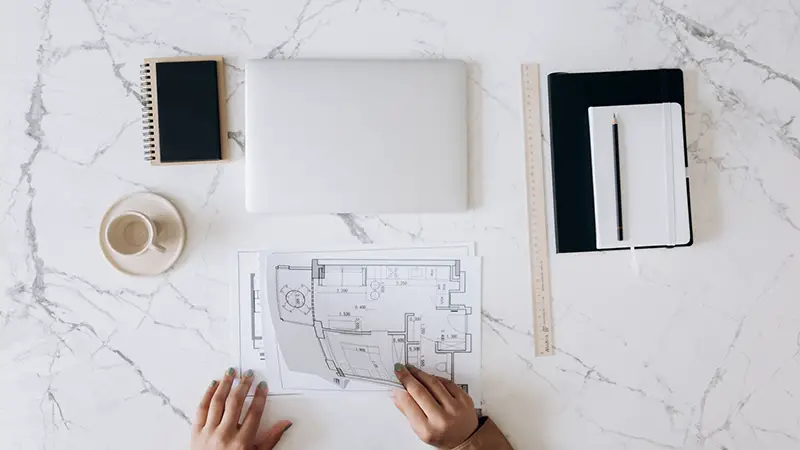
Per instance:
(691,348)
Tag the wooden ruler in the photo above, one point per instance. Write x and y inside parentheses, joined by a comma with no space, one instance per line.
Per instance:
(537,212)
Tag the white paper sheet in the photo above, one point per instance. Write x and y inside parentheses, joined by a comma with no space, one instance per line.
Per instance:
(248,342)
(255,345)
(350,318)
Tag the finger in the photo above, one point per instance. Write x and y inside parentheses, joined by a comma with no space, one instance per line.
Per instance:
(253,417)
(403,402)
(217,408)
(202,410)
(235,402)
(435,387)
(274,435)
(456,391)
(418,392)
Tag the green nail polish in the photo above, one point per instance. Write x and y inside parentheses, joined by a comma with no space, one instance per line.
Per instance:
(398,367)
(248,374)
(213,383)
(230,371)
(262,385)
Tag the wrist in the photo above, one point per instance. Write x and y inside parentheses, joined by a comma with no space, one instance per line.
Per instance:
(478,425)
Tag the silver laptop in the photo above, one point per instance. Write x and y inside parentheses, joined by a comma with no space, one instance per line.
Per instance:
(360,136)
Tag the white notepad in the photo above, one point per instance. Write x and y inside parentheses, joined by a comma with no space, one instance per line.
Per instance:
(654,185)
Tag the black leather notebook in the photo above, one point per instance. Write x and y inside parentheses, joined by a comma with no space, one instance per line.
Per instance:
(571,96)
(184,120)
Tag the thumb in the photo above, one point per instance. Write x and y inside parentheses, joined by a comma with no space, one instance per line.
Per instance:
(274,435)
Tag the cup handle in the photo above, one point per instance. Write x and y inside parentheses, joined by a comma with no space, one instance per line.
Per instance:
(155,245)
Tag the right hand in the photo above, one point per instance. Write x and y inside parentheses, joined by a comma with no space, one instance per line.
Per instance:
(439,411)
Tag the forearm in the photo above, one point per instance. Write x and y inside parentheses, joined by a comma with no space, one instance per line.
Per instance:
(487,437)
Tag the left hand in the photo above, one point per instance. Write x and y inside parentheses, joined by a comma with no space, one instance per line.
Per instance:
(216,426)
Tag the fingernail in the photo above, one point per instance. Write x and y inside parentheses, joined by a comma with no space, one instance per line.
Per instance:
(262,385)
(230,371)
(213,383)
(398,367)
(288,426)
(410,367)
(248,374)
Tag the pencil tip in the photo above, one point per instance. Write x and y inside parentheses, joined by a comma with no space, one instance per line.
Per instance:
(614,118)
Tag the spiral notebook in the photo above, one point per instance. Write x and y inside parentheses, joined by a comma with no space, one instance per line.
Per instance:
(184,118)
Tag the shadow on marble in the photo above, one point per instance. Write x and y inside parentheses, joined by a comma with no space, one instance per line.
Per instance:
(475,142)
(704,195)
(530,414)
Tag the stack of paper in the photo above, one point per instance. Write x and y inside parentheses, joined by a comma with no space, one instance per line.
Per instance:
(340,320)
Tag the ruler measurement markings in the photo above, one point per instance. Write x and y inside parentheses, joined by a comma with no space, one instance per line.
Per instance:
(537,215)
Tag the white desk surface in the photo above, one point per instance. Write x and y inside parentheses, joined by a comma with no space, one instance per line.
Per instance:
(699,348)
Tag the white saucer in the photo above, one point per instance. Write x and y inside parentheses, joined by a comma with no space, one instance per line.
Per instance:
(171,235)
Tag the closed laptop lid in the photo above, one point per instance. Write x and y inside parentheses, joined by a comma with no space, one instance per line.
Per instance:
(361,136)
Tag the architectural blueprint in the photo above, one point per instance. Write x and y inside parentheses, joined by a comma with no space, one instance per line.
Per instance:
(350,319)
(253,341)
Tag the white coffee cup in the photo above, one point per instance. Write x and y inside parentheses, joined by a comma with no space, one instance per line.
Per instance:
(132,233)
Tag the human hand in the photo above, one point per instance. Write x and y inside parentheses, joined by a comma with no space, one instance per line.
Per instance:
(439,411)
(216,426)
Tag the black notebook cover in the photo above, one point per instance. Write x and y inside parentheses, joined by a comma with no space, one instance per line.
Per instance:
(571,96)
(186,115)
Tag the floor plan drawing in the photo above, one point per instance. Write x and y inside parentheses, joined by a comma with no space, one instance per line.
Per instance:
(255,343)
(353,319)
(248,337)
